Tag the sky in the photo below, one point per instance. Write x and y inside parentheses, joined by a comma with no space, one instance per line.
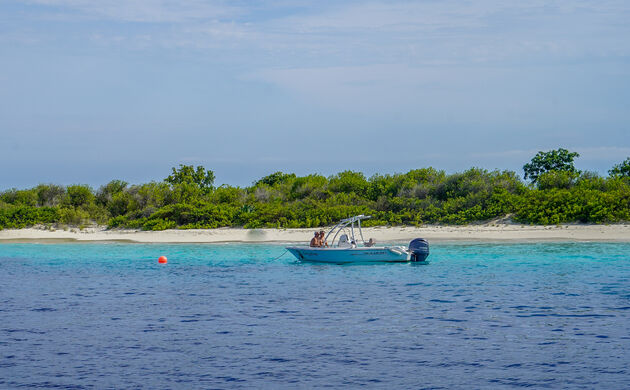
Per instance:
(92,91)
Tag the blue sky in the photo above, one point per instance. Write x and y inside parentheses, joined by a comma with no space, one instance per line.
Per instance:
(124,89)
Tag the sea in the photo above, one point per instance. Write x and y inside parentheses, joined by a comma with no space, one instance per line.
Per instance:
(250,316)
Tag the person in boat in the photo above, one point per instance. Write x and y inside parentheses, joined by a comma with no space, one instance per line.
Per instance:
(322,239)
(315,241)
(370,243)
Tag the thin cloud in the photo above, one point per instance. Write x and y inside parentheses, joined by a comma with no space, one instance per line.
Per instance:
(603,153)
(145,11)
(402,77)
(353,33)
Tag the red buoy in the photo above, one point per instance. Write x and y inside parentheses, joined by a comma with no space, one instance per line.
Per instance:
(162,260)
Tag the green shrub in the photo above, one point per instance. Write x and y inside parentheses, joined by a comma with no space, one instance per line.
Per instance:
(556,179)
(78,195)
(281,200)
(158,224)
(20,197)
(73,216)
(17,217)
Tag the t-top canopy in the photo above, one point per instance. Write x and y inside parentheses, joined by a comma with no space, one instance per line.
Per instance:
(354,219)
(345,222)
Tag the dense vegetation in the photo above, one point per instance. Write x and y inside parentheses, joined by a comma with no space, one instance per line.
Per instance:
(188,199)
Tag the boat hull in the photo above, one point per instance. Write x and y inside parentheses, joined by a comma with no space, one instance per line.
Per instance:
(350,255)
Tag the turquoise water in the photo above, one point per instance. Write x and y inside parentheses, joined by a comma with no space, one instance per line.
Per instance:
(553,315)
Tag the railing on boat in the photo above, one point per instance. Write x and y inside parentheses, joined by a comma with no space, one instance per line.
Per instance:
(343,224)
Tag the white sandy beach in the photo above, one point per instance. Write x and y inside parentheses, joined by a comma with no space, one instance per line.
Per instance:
(487,232)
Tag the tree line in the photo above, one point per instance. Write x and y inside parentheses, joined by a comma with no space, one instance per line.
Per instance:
(555,193)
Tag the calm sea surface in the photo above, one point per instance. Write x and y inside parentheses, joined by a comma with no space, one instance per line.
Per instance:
(553,315)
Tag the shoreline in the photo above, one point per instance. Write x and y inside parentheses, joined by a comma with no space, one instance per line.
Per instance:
(494,232)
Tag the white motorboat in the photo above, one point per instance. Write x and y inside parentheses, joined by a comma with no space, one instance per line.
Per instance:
(345,248)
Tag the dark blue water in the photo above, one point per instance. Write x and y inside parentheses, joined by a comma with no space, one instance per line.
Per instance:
(230,316)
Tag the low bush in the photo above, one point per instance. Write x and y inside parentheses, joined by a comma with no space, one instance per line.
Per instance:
(188,200)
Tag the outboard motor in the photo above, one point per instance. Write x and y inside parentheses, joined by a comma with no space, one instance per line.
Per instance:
(419,248)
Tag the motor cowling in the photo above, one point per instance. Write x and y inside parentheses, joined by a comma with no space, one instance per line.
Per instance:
(419,248)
